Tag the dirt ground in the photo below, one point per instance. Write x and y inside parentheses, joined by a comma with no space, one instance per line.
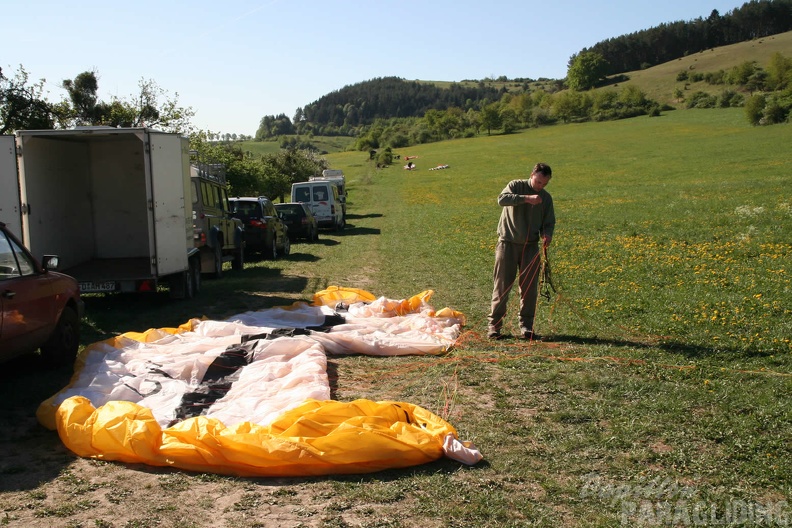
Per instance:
(42,484)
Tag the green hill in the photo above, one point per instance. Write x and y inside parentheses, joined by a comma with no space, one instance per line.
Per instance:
(659,82)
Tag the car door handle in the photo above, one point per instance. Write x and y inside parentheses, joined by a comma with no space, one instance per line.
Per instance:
(9,294)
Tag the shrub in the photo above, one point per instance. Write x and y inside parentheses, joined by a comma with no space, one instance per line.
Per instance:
(754,108)
(730,98)
(701,100)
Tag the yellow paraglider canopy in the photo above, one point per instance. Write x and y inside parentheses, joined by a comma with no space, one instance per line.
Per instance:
(241,397)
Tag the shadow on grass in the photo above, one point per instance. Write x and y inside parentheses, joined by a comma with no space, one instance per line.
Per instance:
(667,345)
(370,215)
(352,230)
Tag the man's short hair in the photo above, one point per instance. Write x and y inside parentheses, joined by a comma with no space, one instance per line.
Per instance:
(543,169)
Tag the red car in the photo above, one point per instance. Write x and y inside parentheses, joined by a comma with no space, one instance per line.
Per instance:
(39,307)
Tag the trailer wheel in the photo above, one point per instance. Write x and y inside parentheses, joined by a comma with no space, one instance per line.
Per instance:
(61,347)
(195,274)
(181,285)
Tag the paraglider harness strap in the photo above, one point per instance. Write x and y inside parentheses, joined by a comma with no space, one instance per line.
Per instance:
(547,276)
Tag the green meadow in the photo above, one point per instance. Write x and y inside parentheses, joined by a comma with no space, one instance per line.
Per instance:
(662,397)
(671,320)
(673,229)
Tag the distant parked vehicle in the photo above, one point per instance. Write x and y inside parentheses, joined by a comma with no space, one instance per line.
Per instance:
(336,177)
(325,203)
(39,308)
(264,230)
(299,219)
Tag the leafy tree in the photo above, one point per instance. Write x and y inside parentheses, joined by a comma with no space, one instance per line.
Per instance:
(742,72)
(490,117)
(569,105)
(82,93)
(155,107)
(754,108)
(22,104)
(151,106)
(508,119)
(779,72)
(270,175)
(585,70)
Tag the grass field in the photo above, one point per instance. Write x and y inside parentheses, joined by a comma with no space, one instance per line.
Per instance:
(662,398)
(322,143)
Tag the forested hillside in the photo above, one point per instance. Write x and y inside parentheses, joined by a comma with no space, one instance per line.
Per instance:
(352,109)
(650,47)
(341,111)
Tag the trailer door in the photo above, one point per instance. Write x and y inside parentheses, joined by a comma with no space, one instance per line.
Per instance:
(9,187)
(170,190)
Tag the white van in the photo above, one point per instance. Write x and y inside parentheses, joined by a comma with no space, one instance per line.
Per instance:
(322,196)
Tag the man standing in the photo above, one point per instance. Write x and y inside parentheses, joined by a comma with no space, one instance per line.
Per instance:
(526,218)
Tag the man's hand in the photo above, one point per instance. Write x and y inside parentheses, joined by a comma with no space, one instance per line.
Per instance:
(546,241)
(533,199)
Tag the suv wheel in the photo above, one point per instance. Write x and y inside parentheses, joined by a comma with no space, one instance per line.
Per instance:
(286,245)
(239,259)
(273,251)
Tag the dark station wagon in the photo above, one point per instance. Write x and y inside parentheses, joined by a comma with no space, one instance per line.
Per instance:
(299,219)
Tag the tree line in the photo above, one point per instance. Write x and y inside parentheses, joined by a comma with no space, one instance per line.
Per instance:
(344,111)
(359,109)
(666,42)
(23,106)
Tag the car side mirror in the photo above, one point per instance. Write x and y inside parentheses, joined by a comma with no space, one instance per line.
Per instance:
(50,262)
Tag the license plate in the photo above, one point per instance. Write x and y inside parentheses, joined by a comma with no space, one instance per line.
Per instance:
(89,287)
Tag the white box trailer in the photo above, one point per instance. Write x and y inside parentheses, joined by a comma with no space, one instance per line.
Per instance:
(113,203)
(9,187)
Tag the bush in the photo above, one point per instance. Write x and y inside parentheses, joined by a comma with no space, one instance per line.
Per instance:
(774,113)
(718,77)
(730,98)
(754,108)
(701,100)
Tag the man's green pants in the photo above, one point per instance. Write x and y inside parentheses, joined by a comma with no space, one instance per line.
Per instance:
(511,258)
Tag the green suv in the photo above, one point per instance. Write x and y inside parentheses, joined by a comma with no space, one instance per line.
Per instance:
(218,235)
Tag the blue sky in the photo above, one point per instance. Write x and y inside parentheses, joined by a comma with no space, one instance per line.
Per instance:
(236,61)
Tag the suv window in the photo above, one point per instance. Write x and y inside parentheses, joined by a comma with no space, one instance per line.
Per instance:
(245,208)
(320,194)
(269,209)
